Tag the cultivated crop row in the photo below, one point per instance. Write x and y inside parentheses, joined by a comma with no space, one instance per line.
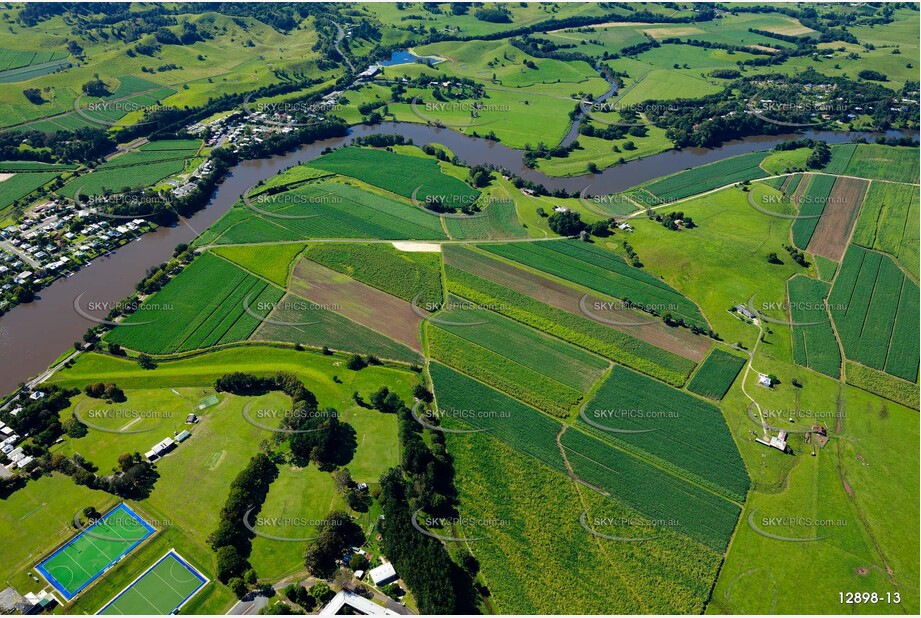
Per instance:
(519,426)
(875,308)
(542,510)
(575,329)
(502,373)
(684,433)
(814,345)
(812,205)
(522,344)
(298,321)
(716,374)
(344,211)
(883,384)
(885,222)
(707,177)
(895,163)
(501,221)
(603,271)
(657,494)
(403,274)
(200,307)
(115,179)
(21,185)
(397,173)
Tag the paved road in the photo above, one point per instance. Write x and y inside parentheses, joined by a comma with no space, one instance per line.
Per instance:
(41,378)
(22,255)
(339,36)
(249,606)
(253,602)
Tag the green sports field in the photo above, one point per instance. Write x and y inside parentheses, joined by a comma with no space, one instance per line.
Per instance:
(160,590)
(78,563)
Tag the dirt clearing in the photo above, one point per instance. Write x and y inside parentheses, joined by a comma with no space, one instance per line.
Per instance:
(430,247)
(834,228)
(358,302)
(676,340)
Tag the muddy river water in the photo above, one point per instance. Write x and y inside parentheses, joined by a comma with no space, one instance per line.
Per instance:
(33,335)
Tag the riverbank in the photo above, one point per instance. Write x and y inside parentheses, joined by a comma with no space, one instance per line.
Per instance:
(33,335)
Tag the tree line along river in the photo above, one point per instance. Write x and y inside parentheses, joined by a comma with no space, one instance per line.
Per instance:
(33,335)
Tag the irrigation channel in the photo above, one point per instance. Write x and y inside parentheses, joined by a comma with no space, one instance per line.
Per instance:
(33,335)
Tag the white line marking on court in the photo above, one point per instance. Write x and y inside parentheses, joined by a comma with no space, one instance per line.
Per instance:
(77,563)
(167,583)
(157,610)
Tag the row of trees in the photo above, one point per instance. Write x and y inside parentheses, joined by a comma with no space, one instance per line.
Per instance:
(313,434)
(424,479)
(232,541)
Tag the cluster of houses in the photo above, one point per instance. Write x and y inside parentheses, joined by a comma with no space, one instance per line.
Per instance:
(54,239)
(821,99)
(348,602)
(9,441)
(242,128)
(182,189)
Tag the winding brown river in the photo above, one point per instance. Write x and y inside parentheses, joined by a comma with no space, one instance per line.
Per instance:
(33,335)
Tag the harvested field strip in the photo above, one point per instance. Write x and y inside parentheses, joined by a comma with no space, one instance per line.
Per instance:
(295,320)
(502,373)
(535,350)
(368,306)
(628,321)
(577,330)
(401,273)
(655,493)
(714,377)
(602,271)
(814,344)
(833,230)
(680,432)
(812,204)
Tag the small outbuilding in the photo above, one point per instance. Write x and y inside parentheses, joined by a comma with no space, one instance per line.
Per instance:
(383,575)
